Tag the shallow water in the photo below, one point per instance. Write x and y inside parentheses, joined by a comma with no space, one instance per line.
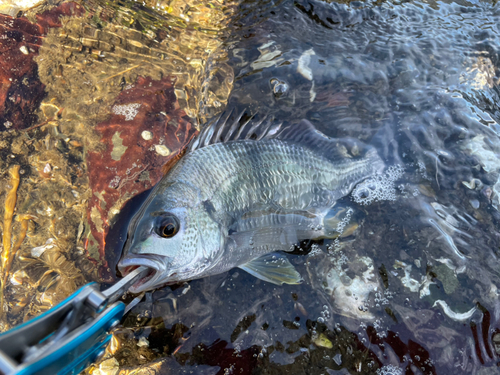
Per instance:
(414,289)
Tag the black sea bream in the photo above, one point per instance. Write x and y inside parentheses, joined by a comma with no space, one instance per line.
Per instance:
(239,195)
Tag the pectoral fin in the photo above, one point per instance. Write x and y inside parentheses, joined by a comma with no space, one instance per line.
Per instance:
(274,268)
(338,222)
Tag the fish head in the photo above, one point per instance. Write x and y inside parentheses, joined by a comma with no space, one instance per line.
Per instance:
(177,239)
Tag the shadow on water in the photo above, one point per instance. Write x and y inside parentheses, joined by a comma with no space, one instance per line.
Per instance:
(117,235)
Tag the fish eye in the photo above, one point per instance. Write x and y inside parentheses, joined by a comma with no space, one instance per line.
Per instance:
(167,226)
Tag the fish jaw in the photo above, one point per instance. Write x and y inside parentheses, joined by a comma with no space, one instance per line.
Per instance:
(157,275)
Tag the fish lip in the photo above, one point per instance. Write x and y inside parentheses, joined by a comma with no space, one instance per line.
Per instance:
(151,280)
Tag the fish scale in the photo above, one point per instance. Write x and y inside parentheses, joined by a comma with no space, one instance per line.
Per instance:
(235,202)
(257,169)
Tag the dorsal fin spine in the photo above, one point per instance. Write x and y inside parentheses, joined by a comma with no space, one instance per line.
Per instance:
(224,129)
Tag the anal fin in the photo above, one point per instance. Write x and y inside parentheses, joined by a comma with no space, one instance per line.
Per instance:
(274,268)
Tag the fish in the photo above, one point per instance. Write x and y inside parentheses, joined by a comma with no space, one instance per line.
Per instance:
(245,192)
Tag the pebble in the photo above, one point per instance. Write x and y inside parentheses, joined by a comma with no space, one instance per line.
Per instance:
(147,135)
(162,150)
(474,203)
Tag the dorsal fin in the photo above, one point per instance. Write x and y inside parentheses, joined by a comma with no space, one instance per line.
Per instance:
(227,127)
(305,134)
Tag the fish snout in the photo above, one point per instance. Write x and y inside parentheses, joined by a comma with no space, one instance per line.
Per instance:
(157,270)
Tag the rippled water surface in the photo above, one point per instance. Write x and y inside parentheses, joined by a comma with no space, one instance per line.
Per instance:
(412,285)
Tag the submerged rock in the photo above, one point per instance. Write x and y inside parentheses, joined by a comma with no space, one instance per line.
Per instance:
(130,163)
(21,91)
(350,283)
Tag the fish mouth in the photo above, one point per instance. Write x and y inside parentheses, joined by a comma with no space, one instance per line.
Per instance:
(152,280)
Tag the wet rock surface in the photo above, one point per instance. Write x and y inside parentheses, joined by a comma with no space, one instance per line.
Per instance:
(21,91)
(146,130)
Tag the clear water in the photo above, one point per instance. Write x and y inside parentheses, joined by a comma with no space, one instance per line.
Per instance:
(414,289)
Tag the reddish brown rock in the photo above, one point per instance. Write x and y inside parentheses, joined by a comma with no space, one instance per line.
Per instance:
(52,18)
(146,130)
(21,92)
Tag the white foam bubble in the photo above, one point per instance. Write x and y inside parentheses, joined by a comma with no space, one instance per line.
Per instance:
(128,110)
(389,370)
(378,188)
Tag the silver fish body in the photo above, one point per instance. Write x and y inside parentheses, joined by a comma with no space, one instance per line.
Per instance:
(234,204)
